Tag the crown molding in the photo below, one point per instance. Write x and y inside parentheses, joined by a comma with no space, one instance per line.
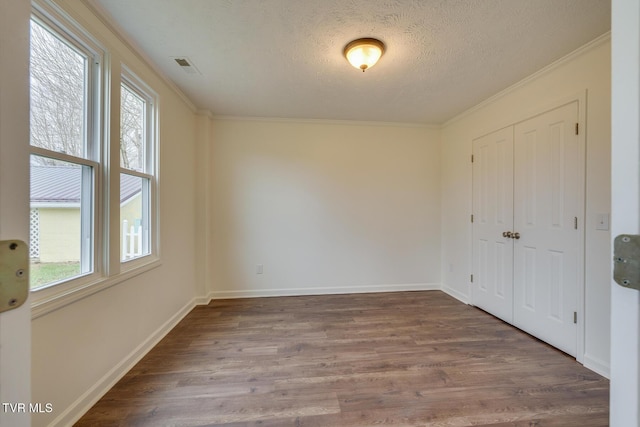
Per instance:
(598,41)
(205,113)
(325,122)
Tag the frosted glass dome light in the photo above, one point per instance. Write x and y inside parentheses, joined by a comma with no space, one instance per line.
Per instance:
(364,53)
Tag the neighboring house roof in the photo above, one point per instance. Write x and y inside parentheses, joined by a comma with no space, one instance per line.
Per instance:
(62,184)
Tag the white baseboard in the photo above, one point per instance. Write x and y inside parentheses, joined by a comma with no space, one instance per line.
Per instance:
(78,408)
(202,300)
(597,365)
(256,293)
(456,294)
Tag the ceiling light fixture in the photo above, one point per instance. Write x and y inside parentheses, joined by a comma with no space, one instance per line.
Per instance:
(364,53)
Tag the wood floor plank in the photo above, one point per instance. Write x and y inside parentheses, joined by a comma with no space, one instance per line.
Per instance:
(390,359)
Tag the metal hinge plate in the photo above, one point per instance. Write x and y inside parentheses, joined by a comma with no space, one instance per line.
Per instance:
(14,274)
(626,257)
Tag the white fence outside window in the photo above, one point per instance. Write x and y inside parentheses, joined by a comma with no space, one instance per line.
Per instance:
(131,240)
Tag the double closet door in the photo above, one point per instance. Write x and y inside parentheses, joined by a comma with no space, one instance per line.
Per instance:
(528,205)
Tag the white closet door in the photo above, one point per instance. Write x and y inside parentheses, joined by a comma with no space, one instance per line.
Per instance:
(492,288)
(548,193)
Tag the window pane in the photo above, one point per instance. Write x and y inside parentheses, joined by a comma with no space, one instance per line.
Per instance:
(132,130)
(58,94)
(61,221)
(134,217)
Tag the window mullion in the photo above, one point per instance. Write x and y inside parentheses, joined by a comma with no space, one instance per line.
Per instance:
(112,175)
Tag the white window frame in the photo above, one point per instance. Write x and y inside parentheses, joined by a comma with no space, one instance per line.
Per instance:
(103,157)
(62,28)
(150,173)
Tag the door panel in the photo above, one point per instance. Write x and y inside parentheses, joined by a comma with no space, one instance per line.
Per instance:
(15,325)
(625,205)
(547,194)
(493,215)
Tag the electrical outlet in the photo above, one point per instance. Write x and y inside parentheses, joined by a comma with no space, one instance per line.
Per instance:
(259,269)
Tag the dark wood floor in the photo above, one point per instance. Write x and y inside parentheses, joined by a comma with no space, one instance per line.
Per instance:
(393,359)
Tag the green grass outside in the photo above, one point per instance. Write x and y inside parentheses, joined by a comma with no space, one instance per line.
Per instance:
(41,274)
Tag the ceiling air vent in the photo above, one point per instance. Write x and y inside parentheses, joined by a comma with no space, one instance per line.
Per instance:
(186,65)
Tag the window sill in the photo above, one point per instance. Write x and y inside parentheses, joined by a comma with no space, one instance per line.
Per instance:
(52,302)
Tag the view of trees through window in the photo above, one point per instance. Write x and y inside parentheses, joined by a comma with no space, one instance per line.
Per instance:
(132,132)
(134,179)
(58,94)
(66,156)
(61,231)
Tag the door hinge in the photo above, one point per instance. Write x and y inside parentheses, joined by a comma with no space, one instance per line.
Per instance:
(471,217)
(575,317)
(472,158)
(14,274)
(575,222)
(626,256)
(472,278)
(577,128)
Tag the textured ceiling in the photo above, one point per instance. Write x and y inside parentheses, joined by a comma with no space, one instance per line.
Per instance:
(283,58)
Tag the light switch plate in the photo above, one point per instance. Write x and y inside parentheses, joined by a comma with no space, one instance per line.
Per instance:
(602,222)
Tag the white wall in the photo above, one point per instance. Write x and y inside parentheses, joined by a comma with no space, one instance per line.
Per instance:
(588,69)
(82,347)
(324,207)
